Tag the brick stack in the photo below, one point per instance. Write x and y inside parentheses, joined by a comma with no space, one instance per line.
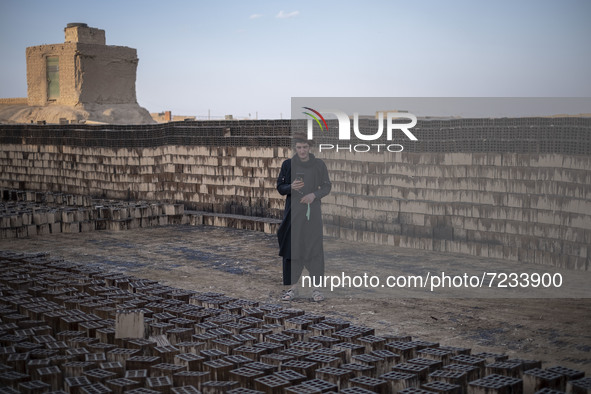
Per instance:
(514,189)
(58,332)
(26,214)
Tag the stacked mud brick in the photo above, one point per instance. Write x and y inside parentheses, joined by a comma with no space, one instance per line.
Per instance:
(61,331)
(26,214)
(222,167)
(265,225)
(518,207)
(231,180)
(516,189)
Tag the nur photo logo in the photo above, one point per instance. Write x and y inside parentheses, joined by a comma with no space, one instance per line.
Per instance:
(344,132)
(316,119)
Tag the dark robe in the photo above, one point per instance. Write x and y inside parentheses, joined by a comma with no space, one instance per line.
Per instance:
(300,236)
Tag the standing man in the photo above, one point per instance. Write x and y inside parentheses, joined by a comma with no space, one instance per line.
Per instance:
(303,179)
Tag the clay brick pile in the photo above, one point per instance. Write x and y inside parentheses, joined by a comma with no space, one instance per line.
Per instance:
(503,188)
(58,333)
(27,214)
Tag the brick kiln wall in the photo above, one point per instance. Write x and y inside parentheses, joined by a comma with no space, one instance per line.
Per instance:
(524,207)
(529,203)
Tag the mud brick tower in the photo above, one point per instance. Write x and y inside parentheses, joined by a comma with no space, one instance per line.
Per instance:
(82,70)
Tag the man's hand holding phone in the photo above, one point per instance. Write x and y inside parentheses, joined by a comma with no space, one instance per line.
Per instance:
(298,184)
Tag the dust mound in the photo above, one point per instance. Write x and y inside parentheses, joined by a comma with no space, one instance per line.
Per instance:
(103,113)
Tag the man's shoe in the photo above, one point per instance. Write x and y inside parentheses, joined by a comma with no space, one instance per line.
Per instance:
(289,295)
(317,296)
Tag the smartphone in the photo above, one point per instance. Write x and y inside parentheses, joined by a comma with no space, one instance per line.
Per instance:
(299,176)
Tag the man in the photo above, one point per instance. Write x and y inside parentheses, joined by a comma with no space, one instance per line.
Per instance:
(305,179)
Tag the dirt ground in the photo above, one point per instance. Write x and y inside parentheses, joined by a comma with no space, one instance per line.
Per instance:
(244,264)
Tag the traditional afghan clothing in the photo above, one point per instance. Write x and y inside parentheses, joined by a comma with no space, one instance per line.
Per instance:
(300,233)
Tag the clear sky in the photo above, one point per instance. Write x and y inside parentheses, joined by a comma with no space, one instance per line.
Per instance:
(248,57)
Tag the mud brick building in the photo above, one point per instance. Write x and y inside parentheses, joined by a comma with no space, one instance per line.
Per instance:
(82,70)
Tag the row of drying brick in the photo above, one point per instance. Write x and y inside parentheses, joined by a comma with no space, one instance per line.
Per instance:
(473,248)
(15,214)
(573,227)
(87,154)
(162,185)
(58,166)
(518,128)
(26,217)
(33,230)
(97,209)
(214,176)
(350,162)
(239,221)
(105,209)
(91,160)
(36,213)
(456,178)
(259,184)
(498,208)
(399,230)
(431,232)
(352,205)
(29,196)
(534,236)
(481,194)
(62,328)
(453,177)
(536,196)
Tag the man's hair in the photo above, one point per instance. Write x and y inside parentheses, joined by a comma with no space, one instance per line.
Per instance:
(301,138)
